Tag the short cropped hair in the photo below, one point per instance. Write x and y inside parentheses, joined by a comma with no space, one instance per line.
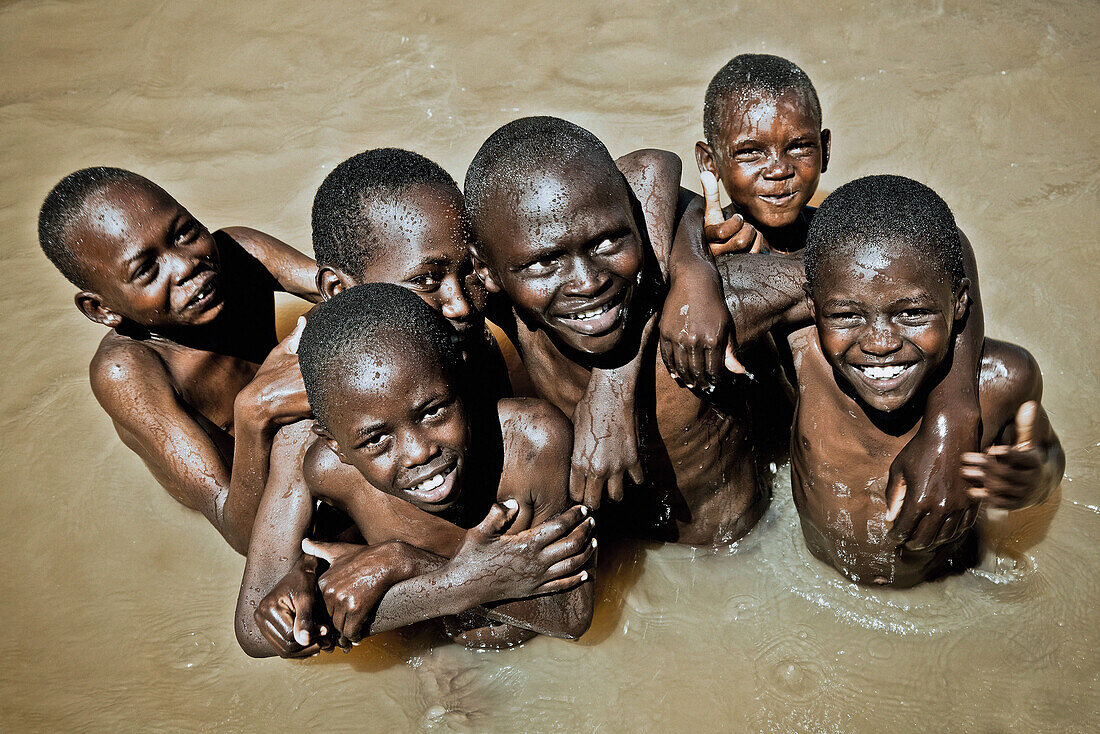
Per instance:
(522,147)
(751,75)
(343,235)
(374,319)
(62,208)
(874,211)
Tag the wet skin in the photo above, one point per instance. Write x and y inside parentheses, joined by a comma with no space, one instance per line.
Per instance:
(563,244)
(440,457)
(770,156)
(422,236)
(193,319)
(884,324)
(775,145)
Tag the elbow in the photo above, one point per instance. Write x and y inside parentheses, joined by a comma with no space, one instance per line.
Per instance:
(249,638)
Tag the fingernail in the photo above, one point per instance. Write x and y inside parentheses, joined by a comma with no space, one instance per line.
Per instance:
(592,522)
(511,504)
(584,511)
(593,542)
(584,575)
(323,630)
(302,637)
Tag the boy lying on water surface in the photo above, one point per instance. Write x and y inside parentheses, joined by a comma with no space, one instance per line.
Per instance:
(887,286)
(391,215)
(455,527)
(766,144)
(182,373)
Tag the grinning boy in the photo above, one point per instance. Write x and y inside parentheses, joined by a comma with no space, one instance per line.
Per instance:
(454,527)
(766,144)
(887,288)
(387,215)
(557,233)
(182,373)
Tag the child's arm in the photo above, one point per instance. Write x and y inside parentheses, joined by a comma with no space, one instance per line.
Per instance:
(928,503)
(490,566)
(279,610)
(133,386)
(1023,469)
(294,271)
(605,440)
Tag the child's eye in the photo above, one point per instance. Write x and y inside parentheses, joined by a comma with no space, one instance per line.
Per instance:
(426,282)
(188,231)
(436,411)
(746,154)
(374,441)
(915,315)
(542,266)
(146,270)
(843,317)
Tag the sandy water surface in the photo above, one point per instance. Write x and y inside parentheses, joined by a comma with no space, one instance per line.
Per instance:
(117,604)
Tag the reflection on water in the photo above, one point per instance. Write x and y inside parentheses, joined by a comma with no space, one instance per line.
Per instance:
(118,604)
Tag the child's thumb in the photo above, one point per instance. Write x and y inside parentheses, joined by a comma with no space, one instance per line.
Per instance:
(500,516)
(712,215)
(296,335)
(733,364)
(330,552)
(895,495)
(1025,423)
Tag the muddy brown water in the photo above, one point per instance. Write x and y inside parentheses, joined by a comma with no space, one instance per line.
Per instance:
(117,603)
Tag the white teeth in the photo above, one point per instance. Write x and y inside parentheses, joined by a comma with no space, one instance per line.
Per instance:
(885,372)
(430,484)
(591,313)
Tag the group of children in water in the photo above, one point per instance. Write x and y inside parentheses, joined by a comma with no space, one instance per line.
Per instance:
(380,466)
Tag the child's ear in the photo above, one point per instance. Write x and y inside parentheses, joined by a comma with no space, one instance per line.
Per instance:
(331,281)
(330,442)
(705,159)
(826,148)
(484,272)
(962,298)
(91,305)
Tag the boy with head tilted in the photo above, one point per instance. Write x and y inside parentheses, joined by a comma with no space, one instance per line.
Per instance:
(191,315)
(888,292)
(454,526)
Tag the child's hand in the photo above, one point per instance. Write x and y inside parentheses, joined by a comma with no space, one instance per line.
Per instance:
(291,617)
(357,577)
(1012,477)
(697,331)
(277,394)
(725,235)
(605,443)
(547,558)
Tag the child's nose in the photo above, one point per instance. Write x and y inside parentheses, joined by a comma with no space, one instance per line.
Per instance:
(779,166)
(880,340)
(455,303)
(417,449)
(587,279)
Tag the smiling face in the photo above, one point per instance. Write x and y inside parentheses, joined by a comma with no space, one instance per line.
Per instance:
(566,249)
(770,154)
(421,245)
(885,320)
(399,421)
(148,260)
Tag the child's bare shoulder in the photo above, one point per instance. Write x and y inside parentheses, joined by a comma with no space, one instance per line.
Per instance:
(126,369)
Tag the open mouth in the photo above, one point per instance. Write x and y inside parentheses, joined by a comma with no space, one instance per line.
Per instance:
(596,320)
(204,296)
(436,487)
(884,377)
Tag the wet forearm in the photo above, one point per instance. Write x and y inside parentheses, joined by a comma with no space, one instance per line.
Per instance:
(565,615)
(252,439)
(764,291)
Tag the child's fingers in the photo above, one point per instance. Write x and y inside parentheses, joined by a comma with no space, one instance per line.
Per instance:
(593,489)
(615,486)
(303,620)
(558,585)
(713,213)
(712,363)
(924,532)
(668,356)
(949,529)
(558,526)
(577,481)
(572,564)
(758,242)
(575,542)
